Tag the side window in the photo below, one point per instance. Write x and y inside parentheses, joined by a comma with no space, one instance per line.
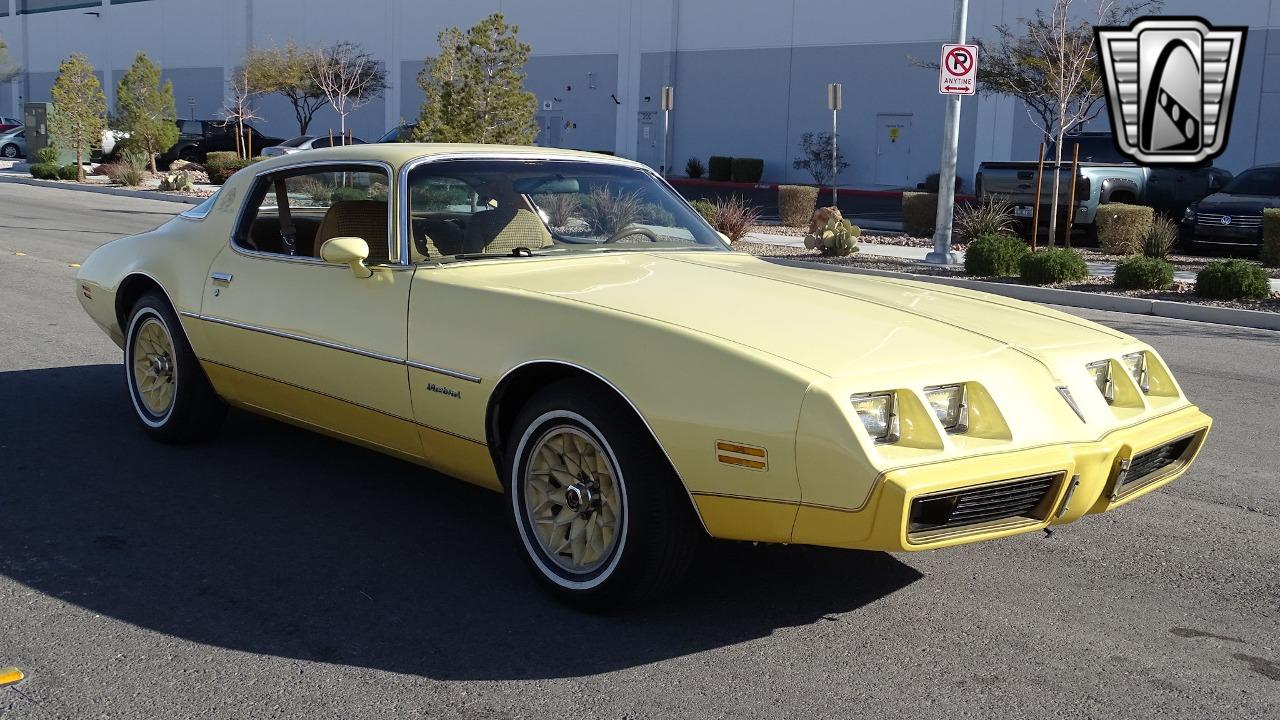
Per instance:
(216,129)
(440,209)
(293,212)
(189,127)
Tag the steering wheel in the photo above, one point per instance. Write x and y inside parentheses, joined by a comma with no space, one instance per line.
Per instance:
(630,230)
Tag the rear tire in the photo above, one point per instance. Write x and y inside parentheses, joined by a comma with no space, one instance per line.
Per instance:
(171,396)
(10,151)
(601,516)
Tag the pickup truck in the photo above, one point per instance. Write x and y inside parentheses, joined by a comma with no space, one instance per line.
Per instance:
(1104,176)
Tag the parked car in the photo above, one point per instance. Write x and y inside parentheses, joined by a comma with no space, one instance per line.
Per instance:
(198,138)
(8,123)
(1104,176)
(13,144)
(399,133)
(598,369)
(1232,217)
(307,142)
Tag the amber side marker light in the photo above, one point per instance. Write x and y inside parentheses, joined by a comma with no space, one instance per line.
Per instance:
(10,675)
(746,456)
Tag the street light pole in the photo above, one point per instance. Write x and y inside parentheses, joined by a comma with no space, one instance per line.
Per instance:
(835,101)
(668,101)
(942,254)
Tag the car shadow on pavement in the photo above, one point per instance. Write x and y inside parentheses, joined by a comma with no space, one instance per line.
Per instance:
(276,540)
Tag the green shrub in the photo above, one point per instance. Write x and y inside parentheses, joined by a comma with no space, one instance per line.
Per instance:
(1053,265)
(47,155)
(1143,273)
(992,215)
(694,168)
(933,180)
(995,255)
(832,234)
(70,171)
(796,204)
(1232,279)
(348,193)
(719,168)
(655,214)
(222,170)
(746,170)
(1270,254)
(706,209)
(1122,227)
(1160,238)
(221,156)
(123,173)
(919,213)
(45,171)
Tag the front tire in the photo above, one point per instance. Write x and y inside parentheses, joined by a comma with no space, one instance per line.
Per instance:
(601,516)
(10,151)
(171,396)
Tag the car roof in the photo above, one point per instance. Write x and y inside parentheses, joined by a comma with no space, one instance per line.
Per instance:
(400,153)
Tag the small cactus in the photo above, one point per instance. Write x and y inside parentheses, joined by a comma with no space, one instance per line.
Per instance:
(176,181)
(831,234)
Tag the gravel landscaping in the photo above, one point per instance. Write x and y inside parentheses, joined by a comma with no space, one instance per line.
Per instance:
(1179,292)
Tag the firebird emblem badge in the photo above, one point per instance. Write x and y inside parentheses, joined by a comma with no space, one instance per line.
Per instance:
(443,390)
(1170,87)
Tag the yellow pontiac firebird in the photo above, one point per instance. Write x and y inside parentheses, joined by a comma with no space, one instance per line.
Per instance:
(564,328)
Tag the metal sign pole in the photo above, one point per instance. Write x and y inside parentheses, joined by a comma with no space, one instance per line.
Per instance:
(835,100)
(668,100)
(942,254)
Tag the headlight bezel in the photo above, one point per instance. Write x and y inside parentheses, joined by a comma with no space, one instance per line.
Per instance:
(892,432)
(961,410)
(1139,372)
(1103,381)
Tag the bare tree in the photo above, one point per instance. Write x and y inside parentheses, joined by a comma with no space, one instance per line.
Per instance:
(238,107)
(349,77)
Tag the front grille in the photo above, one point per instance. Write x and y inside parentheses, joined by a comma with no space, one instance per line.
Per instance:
(1248,222)
(1149,463)
(1022,498)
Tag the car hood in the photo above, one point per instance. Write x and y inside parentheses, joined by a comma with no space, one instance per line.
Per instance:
(1223,203)
(831,322)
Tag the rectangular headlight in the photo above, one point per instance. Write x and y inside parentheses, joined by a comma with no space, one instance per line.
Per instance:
(879,415)
(948,403)
(1136,364)
(1101,373)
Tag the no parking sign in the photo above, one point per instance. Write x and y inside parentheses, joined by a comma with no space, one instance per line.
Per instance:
(958,70)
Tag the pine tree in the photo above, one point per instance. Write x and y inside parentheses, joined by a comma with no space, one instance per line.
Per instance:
(79,109)
(475,87)
(146,110)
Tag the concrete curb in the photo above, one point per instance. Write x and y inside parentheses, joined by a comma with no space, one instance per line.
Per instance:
(121,192)
(1075,298)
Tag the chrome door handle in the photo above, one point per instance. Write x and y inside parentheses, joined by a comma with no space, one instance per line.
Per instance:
(221,277)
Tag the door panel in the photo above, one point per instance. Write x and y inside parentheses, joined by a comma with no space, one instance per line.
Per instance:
(893,149)
(313,327)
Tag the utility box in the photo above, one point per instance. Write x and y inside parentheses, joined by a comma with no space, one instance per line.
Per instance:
(35,120)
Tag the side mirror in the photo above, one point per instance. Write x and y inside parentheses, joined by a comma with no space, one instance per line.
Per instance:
(351,251)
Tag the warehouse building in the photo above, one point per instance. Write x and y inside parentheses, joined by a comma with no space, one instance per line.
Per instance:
(750,77)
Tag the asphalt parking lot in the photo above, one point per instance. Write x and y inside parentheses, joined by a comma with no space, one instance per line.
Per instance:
(276,573)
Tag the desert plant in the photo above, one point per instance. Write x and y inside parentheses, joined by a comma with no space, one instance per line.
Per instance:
(559,207)
(655,214)
(796,204)
(1122,227)
(706,209)
(179,181)
(349,193)
(1160,238)
(831,234)
(719,168)
(992,215)
(221,170)
(1270,254)
(746,170)
(1053,265)
(46,155)
(1140,272)
(319,192)
(45,171)
(995,255)
(694,168)
(919,213)
(734,217)
(1232,280)
(815,157)
(607,212)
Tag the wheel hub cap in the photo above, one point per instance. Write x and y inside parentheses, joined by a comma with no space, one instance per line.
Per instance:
(571,499)
(153,369)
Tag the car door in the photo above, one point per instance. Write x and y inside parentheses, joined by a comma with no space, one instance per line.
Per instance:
(307,340)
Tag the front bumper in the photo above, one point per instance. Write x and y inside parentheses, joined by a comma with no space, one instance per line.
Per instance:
(1087,479)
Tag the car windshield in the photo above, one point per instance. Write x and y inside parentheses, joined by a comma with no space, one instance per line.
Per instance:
(1259,181)
(394,134)
(298,141)
(1093,148)
(462,209)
